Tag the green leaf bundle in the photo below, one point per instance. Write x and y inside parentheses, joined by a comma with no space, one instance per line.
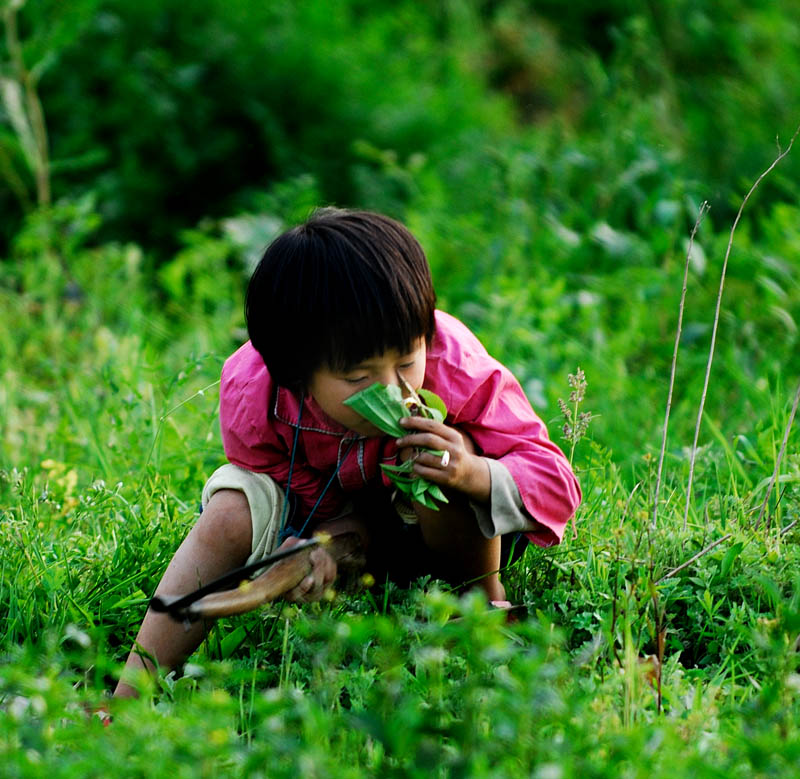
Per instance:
(384,407)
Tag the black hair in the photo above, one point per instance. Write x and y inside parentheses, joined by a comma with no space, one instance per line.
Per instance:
(336,290)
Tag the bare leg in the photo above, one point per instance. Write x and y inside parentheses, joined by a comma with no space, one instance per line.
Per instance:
(453,535)
(219,541)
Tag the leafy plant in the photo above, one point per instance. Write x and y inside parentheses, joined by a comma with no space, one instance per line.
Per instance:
(384,407)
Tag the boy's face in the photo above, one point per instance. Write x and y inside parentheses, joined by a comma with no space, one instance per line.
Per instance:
(330,388)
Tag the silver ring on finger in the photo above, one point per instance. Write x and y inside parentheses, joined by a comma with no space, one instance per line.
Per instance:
(445,461)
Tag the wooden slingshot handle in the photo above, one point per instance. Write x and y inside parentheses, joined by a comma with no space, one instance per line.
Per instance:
(277,580)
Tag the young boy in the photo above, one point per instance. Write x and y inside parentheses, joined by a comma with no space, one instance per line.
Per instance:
(336,304)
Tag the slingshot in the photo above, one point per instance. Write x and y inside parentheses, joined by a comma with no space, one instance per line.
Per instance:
(235,593)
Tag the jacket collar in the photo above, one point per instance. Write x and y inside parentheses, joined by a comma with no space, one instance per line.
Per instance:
(287,410)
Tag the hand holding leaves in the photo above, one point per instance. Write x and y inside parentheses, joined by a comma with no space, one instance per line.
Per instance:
(384,407)
(448,457)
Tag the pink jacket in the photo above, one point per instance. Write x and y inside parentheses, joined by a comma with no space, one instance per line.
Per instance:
(483,399)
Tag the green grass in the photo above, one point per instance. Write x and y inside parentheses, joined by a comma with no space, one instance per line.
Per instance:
(552,166)
(108,431)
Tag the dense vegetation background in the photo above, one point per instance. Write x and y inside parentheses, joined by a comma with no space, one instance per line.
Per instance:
(553,160)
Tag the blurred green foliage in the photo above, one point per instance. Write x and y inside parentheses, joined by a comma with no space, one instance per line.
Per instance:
(172,112)
(551,159)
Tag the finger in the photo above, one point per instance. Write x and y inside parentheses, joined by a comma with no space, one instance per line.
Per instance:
(313,586)
(437,461)
(421,430)
(302,591)
(427,441)
(307,585)
(324,568)
(425,425)
(405,453)
(438,476)
(317,591)
(322,575)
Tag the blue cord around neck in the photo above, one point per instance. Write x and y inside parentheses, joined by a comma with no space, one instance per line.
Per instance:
(284,531)
(284,513)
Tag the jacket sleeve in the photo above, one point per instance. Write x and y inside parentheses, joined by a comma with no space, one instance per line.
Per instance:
(499,419)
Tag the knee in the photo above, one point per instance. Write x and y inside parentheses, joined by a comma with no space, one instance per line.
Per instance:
(226,522)
(456,519)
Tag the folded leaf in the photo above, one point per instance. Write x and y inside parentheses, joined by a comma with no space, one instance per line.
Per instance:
(435,492)
(434,404)
(384,407)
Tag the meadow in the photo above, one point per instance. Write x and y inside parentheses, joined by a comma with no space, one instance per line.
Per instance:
(555,165)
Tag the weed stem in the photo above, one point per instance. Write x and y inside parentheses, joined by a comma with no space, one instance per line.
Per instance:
(703,551)
(693,457)
(703,209)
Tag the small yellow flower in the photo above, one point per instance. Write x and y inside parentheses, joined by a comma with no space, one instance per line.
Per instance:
(367,580)
(218,737)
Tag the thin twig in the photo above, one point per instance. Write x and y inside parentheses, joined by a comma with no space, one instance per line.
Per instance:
(703,209)
(779,458)
(199,393)
(780,156)
(785,530)
(672,573)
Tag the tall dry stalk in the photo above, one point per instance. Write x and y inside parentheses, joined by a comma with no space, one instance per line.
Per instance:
(693,558)
(703,209)
(693,456)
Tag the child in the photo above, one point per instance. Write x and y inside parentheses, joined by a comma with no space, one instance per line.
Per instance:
(335,305)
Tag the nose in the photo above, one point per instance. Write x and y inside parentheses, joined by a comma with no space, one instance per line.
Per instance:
(407,389)
(388,377)
(393,376)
